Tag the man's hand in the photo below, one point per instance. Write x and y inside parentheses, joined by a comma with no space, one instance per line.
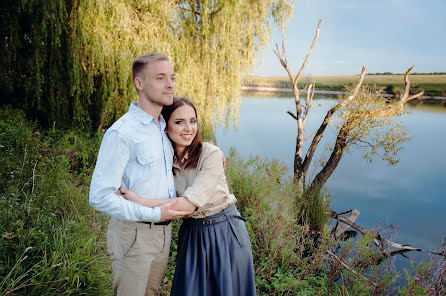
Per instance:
(224,161)
(172,210)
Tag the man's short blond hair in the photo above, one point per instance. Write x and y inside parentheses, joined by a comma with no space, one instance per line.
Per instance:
(140,62)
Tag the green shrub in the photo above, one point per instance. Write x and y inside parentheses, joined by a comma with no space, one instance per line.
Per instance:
(272,210)
(51,240)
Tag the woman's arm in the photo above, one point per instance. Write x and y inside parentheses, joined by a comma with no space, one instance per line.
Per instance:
(184,204)
(181,203)
(133,196)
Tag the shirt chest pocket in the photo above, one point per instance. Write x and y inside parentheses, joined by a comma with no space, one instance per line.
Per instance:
(150,166)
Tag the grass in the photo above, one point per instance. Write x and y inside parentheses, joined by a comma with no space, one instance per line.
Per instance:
(53,243)
(434,85)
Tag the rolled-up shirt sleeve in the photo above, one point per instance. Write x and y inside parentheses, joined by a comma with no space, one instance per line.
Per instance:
(207,178)
(113,157)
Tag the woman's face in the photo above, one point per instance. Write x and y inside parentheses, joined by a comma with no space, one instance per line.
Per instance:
(182,127)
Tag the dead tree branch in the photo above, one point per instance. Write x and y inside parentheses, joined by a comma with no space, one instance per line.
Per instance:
(379,240)
(310,96)
(404,98)
(346,265)
(299,74)
(292,114)
(341,227)
(282,58)
(326,122)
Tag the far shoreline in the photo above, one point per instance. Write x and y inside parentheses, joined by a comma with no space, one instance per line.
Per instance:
(326,92)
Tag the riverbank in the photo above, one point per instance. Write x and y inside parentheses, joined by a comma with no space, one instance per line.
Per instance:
(260,89)
(433,85)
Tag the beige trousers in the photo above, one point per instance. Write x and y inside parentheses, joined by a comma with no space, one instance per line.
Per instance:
(139,254)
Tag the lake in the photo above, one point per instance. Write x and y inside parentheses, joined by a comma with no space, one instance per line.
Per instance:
(410,195)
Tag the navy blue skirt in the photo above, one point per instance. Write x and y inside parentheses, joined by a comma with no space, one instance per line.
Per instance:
(214,256)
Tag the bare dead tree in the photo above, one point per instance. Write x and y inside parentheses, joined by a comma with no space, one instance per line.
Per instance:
(301,115)
(360,113)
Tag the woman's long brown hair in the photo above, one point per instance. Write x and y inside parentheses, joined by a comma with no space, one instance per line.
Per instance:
(194,149)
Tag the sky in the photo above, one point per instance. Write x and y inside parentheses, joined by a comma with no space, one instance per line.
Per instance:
(383,35)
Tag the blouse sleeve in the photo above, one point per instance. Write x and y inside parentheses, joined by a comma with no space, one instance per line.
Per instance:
(208,176)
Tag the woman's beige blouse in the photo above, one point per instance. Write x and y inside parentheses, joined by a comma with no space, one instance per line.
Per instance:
(205,186)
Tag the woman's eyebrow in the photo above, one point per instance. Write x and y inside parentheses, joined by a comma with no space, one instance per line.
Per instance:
(178,118)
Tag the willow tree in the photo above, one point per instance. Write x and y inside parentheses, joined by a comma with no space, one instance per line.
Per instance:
(221,41)
(69,61)
(363,120)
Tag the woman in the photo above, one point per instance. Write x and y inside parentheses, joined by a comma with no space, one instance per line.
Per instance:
(214,251)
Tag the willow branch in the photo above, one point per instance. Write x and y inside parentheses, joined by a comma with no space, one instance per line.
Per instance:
(217,10)
(189,10)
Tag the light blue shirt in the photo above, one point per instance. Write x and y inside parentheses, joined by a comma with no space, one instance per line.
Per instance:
(135,153)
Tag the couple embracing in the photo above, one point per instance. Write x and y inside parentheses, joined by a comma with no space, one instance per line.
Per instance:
(147,158)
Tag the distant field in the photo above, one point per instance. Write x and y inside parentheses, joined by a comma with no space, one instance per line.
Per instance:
(433,85)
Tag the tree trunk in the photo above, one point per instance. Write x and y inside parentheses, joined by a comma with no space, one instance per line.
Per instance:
(299,174)
(333,161)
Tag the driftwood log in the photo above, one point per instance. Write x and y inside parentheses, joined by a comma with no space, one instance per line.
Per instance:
(345,222)
(339,231)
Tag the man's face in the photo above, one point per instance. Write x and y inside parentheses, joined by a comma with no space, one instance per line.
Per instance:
(157,85)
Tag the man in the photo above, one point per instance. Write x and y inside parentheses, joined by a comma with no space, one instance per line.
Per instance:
(135,153)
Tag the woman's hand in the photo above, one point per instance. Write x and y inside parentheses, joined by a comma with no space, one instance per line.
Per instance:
(129,195)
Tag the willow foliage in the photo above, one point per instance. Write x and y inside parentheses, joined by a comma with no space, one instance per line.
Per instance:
(69,61)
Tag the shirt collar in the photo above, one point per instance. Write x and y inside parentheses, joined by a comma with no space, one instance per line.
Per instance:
(143,116)
(175,160)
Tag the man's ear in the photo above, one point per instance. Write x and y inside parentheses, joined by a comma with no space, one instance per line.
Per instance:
(138,83)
